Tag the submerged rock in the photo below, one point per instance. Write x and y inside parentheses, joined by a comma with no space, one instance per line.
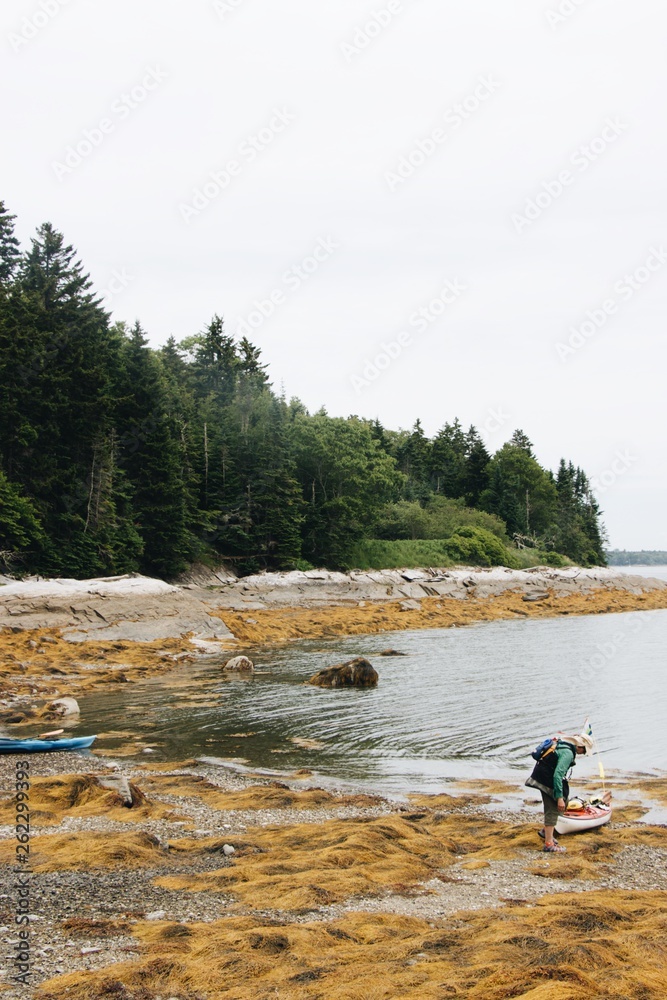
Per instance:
(354,673)
(14,718)
(391,652)
(242,664)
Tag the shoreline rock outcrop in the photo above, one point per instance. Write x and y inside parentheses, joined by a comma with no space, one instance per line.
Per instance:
(206,614)
(131,607)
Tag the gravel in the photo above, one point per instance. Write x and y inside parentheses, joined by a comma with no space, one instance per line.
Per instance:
(127,896)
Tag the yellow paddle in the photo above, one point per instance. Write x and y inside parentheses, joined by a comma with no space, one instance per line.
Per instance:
(587,727)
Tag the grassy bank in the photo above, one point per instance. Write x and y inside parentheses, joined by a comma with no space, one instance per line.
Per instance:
(474,548)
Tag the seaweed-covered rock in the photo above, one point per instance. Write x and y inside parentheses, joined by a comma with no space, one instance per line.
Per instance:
(240,664)
(61,708)
(354,673)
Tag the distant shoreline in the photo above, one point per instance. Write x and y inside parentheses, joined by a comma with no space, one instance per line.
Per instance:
(644,557)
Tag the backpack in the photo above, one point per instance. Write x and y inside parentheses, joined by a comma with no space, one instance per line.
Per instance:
(543,748)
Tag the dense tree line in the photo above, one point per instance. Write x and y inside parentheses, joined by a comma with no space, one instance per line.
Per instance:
(116,457)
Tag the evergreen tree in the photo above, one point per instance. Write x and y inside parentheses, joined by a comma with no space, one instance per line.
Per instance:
(414,460)
(21,534)
(448,461)
(151,458)
(9,248)
(52,271)
(379,434)
(476,470)
(521,492)
(216,363)
(275,503)
(59,380)
(256,515)
(252,371)
(521,440)
(578,534)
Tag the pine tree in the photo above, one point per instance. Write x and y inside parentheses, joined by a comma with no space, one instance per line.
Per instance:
(52,271)
(379,434)
(9,248)
(521,440)
(216,363)
(150,455)
(252,372)
(414,461)
(448,461)
(578,532)
(22,537)
(61,403)
(476,471)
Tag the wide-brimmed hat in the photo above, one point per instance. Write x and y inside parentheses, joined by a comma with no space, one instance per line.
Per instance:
(580,740)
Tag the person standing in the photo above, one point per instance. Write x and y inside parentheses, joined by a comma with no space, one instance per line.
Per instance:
(549,776)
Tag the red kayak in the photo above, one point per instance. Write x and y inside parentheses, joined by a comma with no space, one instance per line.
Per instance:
(592,815)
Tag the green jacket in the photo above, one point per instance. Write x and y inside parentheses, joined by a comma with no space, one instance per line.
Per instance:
(549,772)
(566,757)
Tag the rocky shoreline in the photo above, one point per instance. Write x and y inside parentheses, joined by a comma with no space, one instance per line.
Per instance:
(139,609)
(216,883)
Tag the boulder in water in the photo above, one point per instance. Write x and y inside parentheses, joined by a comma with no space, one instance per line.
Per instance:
(391,652)
(354,673)
(61,708)
(242,664)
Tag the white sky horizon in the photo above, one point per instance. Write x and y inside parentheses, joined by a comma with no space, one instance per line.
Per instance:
(531,140)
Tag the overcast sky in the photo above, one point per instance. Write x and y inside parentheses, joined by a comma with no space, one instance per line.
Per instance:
(416,208)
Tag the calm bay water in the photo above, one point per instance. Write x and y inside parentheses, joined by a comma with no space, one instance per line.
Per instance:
(463,702)
(658,571)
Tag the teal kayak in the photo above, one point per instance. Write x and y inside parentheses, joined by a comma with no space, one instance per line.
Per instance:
(45,746)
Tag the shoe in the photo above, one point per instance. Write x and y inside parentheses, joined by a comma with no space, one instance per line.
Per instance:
(553,849)
(540,833)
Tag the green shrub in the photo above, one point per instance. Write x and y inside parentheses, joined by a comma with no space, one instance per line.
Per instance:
(472,546)
(441,518)
(527,558)
(479,547)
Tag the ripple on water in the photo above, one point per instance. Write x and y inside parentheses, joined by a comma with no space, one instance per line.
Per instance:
(465,702)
